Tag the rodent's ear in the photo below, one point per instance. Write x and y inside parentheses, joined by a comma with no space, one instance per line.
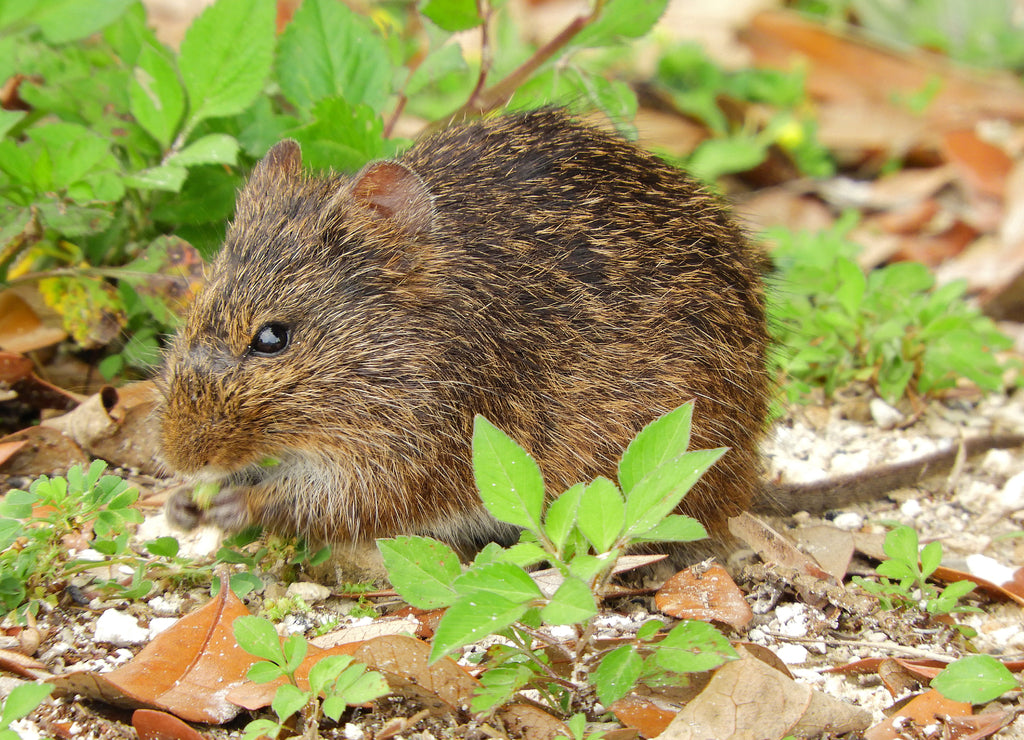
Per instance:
(392,191)
(282,162)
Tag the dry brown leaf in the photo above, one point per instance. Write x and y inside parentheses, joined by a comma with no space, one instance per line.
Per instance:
(14,367)
(704,592)
(863,87)
(531,723)
(929,708)
(648,718)
(116,424)
(187,670)
(153,725)
(23,665)
(45,450)
(772,546)
(404,661)
(747,700)
(361,633)
(983,166)
(21,329)
(7,449)
(830,547)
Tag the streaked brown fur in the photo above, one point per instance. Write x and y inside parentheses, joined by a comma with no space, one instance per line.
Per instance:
(562,282)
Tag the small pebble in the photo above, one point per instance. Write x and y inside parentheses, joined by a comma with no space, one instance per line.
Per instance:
(911,508)
(848,521)
(311,593)
(353,732)
(791,654)
(160,624)
(885,416)
(1012,496)
(999,462)
(119,628)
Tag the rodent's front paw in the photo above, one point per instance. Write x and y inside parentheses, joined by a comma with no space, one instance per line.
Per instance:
(227,509)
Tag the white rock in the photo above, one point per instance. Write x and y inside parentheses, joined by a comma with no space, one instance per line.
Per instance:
(119,628)
(985,567)
(999,462)
(160,624)
(911,508)
(311,593)
(1012,496)
(885,416)
(848,521)
(166,605)
(353,732)
(791,654)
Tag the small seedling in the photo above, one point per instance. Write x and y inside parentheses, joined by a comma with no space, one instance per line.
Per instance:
(834,325)
(903,582)
(55,508)
(336,678)
(581,533)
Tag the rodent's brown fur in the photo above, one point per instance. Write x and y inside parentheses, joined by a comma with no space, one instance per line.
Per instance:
(554,278)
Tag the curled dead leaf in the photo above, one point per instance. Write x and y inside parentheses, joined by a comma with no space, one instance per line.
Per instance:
(705,592)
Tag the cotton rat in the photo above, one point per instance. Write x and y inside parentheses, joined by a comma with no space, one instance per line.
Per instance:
(563,283)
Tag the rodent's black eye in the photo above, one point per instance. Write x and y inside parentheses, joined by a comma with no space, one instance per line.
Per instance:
(271,339)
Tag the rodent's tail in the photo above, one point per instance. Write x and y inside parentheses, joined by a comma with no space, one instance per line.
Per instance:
(781,499)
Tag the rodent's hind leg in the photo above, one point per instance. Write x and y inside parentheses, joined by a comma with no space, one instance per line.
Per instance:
(228,509)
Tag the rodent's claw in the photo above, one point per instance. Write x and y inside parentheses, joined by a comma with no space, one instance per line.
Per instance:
(227,509)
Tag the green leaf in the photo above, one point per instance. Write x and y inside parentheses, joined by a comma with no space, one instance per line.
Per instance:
(901,544)
(341,136)
(437,65)
(664,439)
(329,51)
(852,284)
(421,570)
(22,700)
(674,528)
(508,479)
(601,514)
(61,21)
(498,684)
(657,494)
(621,19)
(561,515)
(975,679)
(572,603)
(162,177)
(693,646)
(156,97)
(356,685)
(326,670)
(210,149)
(452,15)
(17,504)
(9,119)
(257,636)
(294,648)
(264,672)
(931,558)
(586,567)
(501,579)
(288,700)
(226,57)
(617,674)
(471,619)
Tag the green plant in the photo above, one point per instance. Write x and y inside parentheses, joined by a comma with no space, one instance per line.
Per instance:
(777,114)
(903,578)
(50,511)
(581,533)
(336,678)
(893,328)
(277,609)
(123,141)
(22,700)
(975,679)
